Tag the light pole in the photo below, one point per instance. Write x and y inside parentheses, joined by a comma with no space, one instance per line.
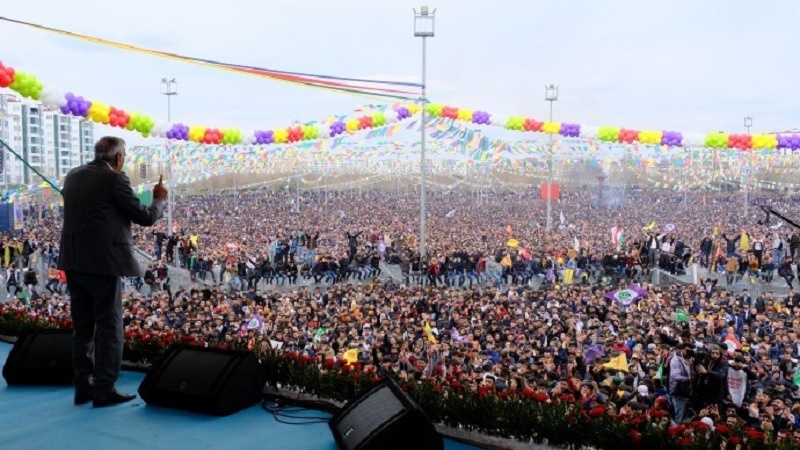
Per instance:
(748,122)
(550,95)
(169,88)
(424,28)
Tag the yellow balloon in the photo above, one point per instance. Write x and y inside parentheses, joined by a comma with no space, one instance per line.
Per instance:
(352,125)
(465,115)
(413,108)
(281,136)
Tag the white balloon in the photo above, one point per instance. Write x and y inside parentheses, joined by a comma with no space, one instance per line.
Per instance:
(589,132)
(499,121)
(324,131)
(391,116)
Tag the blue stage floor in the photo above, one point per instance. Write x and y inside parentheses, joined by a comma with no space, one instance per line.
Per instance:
(44,417)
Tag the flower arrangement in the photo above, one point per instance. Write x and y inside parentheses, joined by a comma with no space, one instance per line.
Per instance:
(523,415)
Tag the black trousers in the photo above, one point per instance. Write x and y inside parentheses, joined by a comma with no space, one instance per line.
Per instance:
(97,337)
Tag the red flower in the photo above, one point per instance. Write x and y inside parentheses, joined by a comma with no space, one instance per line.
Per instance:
(597,411)
(437,388)
(456,384)
(483,391)
(342,362)
(527,392)
(722,428)
(658,413)
(684,441)
(699,425)
(375,380)
(356,366)
(734,440)
(541,398)
(504,395)
(636,437)
(754,434)
(330,363)
(676,430)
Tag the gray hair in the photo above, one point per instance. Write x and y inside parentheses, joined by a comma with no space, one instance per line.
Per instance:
(108,147)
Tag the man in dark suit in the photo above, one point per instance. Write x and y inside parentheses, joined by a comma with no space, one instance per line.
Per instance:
(96,250)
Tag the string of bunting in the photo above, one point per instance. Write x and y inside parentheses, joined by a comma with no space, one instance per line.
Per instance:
(367,87)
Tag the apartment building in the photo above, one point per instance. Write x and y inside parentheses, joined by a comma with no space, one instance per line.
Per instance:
(51,143)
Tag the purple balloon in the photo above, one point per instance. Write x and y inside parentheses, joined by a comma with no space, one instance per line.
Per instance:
(65,109)
(69,96)
(402,113)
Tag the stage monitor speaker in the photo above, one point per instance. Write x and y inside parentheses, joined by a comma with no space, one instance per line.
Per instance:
(40,358)
(384,417)
(209,381)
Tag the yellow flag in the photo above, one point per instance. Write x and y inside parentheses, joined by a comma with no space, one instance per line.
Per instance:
(650,227)
(351,355)
(429,332)
(618,363)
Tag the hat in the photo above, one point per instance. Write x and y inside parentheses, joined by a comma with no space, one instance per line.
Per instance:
(643,390)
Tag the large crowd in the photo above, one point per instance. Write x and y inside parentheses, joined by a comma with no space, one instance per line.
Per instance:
(499,302)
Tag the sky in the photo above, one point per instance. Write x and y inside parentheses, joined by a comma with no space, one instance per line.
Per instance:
(691,66)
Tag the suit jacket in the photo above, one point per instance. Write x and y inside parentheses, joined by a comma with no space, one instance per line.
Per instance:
(99,207)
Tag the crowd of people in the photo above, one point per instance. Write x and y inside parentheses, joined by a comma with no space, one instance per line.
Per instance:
(499,302)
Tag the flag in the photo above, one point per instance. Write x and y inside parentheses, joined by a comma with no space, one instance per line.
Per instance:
(628,296)
(562,218)
(619,363)
(320,332)
(732,342)
(429,332)
(456,337)
(351,355)
(592,352)
(650,227)
(576,244)
(660,372)
(255,323)
(615,232)
(681,316)
(796,379)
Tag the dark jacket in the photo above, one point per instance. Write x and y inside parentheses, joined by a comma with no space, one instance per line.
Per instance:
(99,206)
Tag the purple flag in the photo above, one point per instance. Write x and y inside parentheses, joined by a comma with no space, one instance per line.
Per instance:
(592,352)
(627,297)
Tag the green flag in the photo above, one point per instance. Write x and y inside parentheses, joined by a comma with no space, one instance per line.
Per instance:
(681,316)
(660,372)
(145,197)
(797,378)
(320,331)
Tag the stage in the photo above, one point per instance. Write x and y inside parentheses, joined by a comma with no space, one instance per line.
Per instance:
(44,417)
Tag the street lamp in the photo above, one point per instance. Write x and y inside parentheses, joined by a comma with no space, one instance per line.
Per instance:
(423,28)
(748,122)
(169,87)
(550,95)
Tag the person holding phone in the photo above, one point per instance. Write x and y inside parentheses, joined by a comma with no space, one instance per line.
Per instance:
(96,251)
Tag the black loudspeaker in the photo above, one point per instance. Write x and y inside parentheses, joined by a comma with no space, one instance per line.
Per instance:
(41,358)
(384,417)
(209,381)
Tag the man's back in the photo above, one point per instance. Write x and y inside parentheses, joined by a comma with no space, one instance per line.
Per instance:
(99,206)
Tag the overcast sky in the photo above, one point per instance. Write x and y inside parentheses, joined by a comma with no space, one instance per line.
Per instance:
(692,66)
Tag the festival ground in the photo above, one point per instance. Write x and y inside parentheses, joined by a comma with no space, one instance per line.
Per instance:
(44,417)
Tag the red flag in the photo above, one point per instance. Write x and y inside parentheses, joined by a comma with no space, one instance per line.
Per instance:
(732,342)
